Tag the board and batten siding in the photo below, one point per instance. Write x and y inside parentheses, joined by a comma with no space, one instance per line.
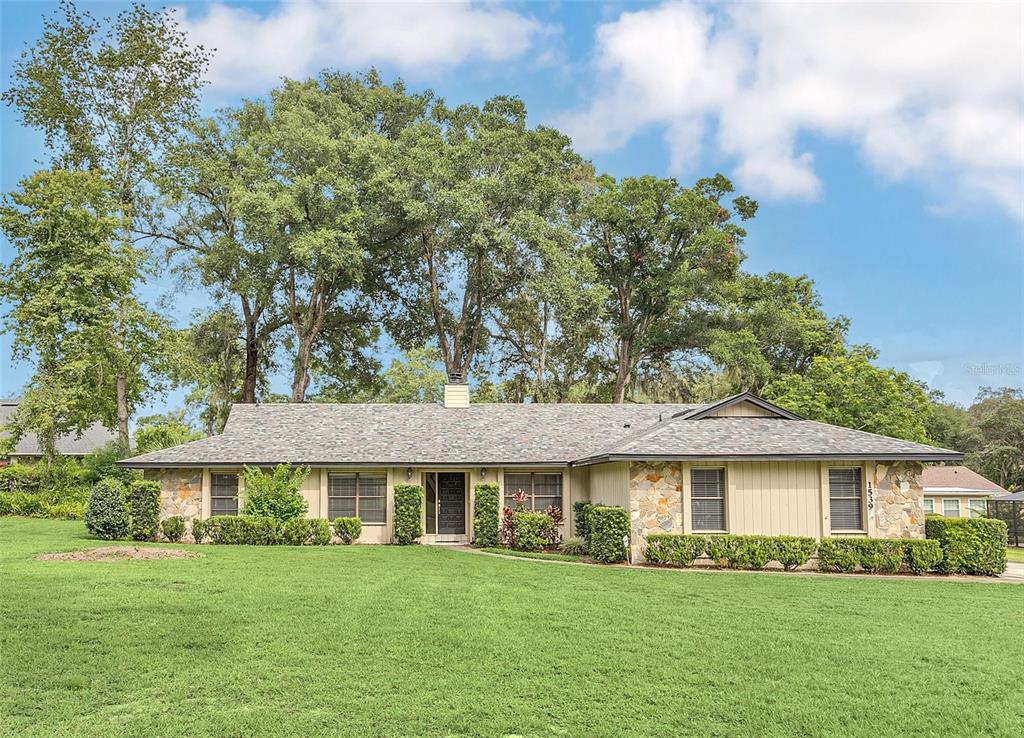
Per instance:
(773,498)
(743,410)
(609,484)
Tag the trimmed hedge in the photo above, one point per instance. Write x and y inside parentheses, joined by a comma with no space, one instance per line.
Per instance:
(969,545)
(144,509)
(792,552)
(922,556)
(608,526)
(581,511)
(198,530)
(248,530)
(877,555)
(294,532)
(173,529)
(838,554)
(107,515)
(532,530)
(486,504)
(408,513)
(348,530)
(319,532)
(674,550)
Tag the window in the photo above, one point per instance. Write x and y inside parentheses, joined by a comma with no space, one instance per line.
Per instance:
(707,498)
(223,494)
(844,492)
(362,496)
(951,508)
(542,490)
(929,506)
(978,508)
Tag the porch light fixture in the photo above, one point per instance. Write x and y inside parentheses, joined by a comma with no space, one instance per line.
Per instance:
(408,472)
(483,472)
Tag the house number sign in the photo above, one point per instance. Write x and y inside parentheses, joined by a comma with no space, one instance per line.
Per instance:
(871,496)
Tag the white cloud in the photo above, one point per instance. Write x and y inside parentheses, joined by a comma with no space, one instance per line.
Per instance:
(925,91)
(294,39)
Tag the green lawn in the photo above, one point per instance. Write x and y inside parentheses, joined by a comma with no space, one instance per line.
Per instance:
(1015,554)
(371,640)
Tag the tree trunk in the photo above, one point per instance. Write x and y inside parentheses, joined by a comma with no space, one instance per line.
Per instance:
(622,372)
(122,412)
(538,392)
(300,377)
(252,356)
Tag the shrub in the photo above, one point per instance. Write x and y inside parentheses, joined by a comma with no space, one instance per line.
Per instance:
(295,532)
(574,547)
(922,556)
(173,528)
(582,512)
(408,513)
(19,478)
(752,552)
(319,532)
(144,509)
(67,510)
(485,514)
(532,530)
(838,554)
(22,503)
(969,545)
(276,495)
(198,530)
(107,514)
(792,551)
(348,530)
(554,533)
(674,550)
(6,503)
(722,549)
(608,527)
(880,554)
(242,529)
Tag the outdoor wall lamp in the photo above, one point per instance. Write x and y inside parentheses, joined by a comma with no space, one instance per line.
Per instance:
(408,472)
(483,472)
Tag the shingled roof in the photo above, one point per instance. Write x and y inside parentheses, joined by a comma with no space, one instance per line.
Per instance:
(958,479)
(507,434)
(92,438)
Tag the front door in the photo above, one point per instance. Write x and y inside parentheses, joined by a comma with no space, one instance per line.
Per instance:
(451,503)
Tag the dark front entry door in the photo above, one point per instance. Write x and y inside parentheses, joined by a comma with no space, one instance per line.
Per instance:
(451,503)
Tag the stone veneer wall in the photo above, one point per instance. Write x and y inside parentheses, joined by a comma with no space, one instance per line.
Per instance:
(898,500)
(655,501)
(181,492)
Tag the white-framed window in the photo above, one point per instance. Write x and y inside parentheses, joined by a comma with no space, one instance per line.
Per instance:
(542,490)
(358,495)
(929,506)
(223,494)
(707,499)
(845,498)
(978,507)
(951,507)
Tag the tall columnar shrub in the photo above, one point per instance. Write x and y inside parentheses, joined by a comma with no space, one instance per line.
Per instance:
(581,510)
(969,545)
(486,502)
(609,526)
(276,495)
(408,513)
(144,509)
(107,514)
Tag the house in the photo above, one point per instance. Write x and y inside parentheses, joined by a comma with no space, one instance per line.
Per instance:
(27,448)
(740,465)
(956,491)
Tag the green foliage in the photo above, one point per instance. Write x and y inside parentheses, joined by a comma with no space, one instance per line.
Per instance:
(608,527)
(156,432)
(173,528)
(33,505)
(922,556)
(532,530)
(107,515)
(408,513)
(199,530)
(486,503)
(674,550)
(839,554)
(581,510)
(101,462)
(243,530)
(319,532)
(880,555)
(792,551)
(295,532)
(969,545)
(740,552)
(276,495)
(144,509)
(416,379)
(573,547)
(348,530)
(850,391)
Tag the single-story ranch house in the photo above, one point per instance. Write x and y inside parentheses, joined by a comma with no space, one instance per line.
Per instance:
(957,492)
(740,465)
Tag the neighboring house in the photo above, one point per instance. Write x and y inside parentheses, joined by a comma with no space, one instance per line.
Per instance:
(957,492)
(27,448)
(741,465)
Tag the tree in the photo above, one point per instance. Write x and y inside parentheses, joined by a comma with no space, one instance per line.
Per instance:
(109,96)
(484,196)
(215,368)
(999,417)
(416,379)
(67,273)
(662,251)
(155,432)
(850,391)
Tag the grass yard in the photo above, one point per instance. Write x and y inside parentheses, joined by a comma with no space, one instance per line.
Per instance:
(389,641)
(1015,554)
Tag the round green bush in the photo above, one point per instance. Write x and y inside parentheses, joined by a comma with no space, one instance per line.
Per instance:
(348,530)
(107,515)
(198,530)
(295,532)
(532,530)
(173,528)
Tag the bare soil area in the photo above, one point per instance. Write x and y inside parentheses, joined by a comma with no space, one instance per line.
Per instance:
(118,553)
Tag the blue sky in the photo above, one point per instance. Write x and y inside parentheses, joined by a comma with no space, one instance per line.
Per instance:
(884,143)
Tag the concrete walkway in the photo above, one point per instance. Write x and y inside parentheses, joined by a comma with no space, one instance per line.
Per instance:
(1014,573)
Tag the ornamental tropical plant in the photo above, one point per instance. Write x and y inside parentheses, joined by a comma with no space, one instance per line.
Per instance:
(276,495)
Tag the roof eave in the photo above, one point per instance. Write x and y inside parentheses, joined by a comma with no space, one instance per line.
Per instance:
(132,464)
(604,458)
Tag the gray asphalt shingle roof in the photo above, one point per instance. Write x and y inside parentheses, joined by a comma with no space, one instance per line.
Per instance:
(95,436)
(501,434)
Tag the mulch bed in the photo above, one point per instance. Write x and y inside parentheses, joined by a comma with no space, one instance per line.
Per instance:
(118,553)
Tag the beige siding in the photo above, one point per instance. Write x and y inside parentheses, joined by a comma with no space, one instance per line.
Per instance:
(609,484)
(773,498)
(743,410)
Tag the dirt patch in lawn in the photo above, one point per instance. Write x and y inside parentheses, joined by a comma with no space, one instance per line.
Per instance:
(118,553)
